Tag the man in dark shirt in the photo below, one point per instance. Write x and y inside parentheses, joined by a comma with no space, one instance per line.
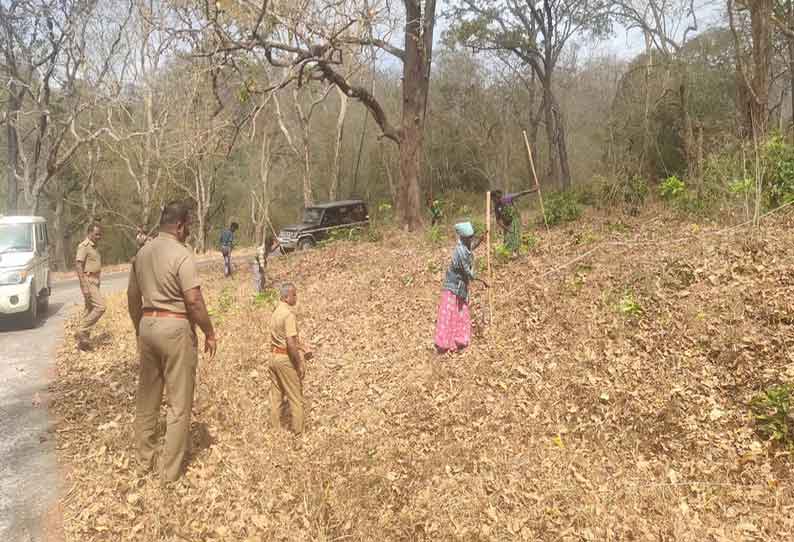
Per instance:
(227,243)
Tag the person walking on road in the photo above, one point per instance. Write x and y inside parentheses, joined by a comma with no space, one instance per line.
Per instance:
(88,264)
(227,244)
(165,304)
(287,367)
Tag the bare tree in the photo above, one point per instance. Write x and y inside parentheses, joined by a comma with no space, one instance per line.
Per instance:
(304,115)
(536,33)
(137,120)
(753,71)
(54,76)
(308,37)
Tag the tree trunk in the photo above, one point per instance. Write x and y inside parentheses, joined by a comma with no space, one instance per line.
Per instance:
(645,163)
(13,150)
(687,131)
(266,162)
(416,85)
(562,148)
(790,43)
(553,172)
(760,20)
(340,130)
(59,233)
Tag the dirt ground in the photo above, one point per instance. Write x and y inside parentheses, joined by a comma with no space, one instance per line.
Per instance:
(607,400)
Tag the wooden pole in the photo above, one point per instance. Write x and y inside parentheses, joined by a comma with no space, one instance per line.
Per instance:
(535,176)
(275,236)
(488,248)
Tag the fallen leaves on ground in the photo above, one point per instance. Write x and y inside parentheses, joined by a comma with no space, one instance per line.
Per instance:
(575,416)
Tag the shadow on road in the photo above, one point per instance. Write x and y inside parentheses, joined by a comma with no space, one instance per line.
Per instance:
(14,323)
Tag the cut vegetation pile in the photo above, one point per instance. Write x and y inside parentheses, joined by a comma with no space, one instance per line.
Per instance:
(609,401)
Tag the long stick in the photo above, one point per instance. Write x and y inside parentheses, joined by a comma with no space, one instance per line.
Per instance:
(275,235)
(537,184)
(488,248)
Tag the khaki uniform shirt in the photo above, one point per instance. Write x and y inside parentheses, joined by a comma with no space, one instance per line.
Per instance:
(283,324)
(87,252)
(162,271)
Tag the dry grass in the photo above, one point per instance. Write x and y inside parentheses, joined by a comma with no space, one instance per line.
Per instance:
(577,416)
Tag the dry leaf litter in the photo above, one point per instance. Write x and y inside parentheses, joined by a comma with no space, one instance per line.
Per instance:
(573,417)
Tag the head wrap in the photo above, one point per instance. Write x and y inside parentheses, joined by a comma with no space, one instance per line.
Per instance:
(464,229)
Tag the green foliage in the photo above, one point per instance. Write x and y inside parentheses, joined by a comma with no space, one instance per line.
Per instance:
(502,253)
(479,226)
(433,267)
(629,306)
(222,305)
(528,241)
(672,188)
(268,298)
(342,234)
(771,410)
(435,234)
(778,158)
(562,207)
(602,192)
(374,234)
(384,214)
(741,186)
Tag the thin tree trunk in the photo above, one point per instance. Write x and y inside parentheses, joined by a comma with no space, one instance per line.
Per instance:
(265,165)
(13,149)
(790,6)
(340,129)
(553,172)
(59,230)
(687,130)
(562,148)
(646,119)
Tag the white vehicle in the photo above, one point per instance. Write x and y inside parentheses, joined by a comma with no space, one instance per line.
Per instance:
(24,267)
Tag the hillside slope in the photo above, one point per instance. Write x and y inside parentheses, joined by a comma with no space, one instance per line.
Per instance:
(607,401)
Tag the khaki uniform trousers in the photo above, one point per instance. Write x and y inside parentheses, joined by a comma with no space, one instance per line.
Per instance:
(94,307)
(169,355)
(284,382)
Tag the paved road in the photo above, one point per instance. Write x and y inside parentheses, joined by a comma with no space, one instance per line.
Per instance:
(28,469)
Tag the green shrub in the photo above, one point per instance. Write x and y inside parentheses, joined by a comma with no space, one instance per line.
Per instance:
(268,298)
(672,189)
(778,158)
(435,234)
(561,207)
(771,411)
(629,306)
(628,191)
(502,254)
(741,186)
(384,214)
(528,242)
(374,234)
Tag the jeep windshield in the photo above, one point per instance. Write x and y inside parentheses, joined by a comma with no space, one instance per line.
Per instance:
(312,215)
(16,237)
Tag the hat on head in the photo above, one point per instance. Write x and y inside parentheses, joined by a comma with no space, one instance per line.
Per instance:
(464,229)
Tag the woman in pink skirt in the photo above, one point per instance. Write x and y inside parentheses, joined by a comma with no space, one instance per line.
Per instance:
(453,324)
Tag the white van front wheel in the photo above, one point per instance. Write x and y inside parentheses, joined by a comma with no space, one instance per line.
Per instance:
(31,315)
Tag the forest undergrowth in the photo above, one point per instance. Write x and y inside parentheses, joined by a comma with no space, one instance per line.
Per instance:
(607,400)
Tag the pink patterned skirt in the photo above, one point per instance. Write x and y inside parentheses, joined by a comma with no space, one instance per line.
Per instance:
(453,324)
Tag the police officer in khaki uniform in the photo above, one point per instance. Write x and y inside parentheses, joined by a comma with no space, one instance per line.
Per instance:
(165,305)
(88,264)
(286,365)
